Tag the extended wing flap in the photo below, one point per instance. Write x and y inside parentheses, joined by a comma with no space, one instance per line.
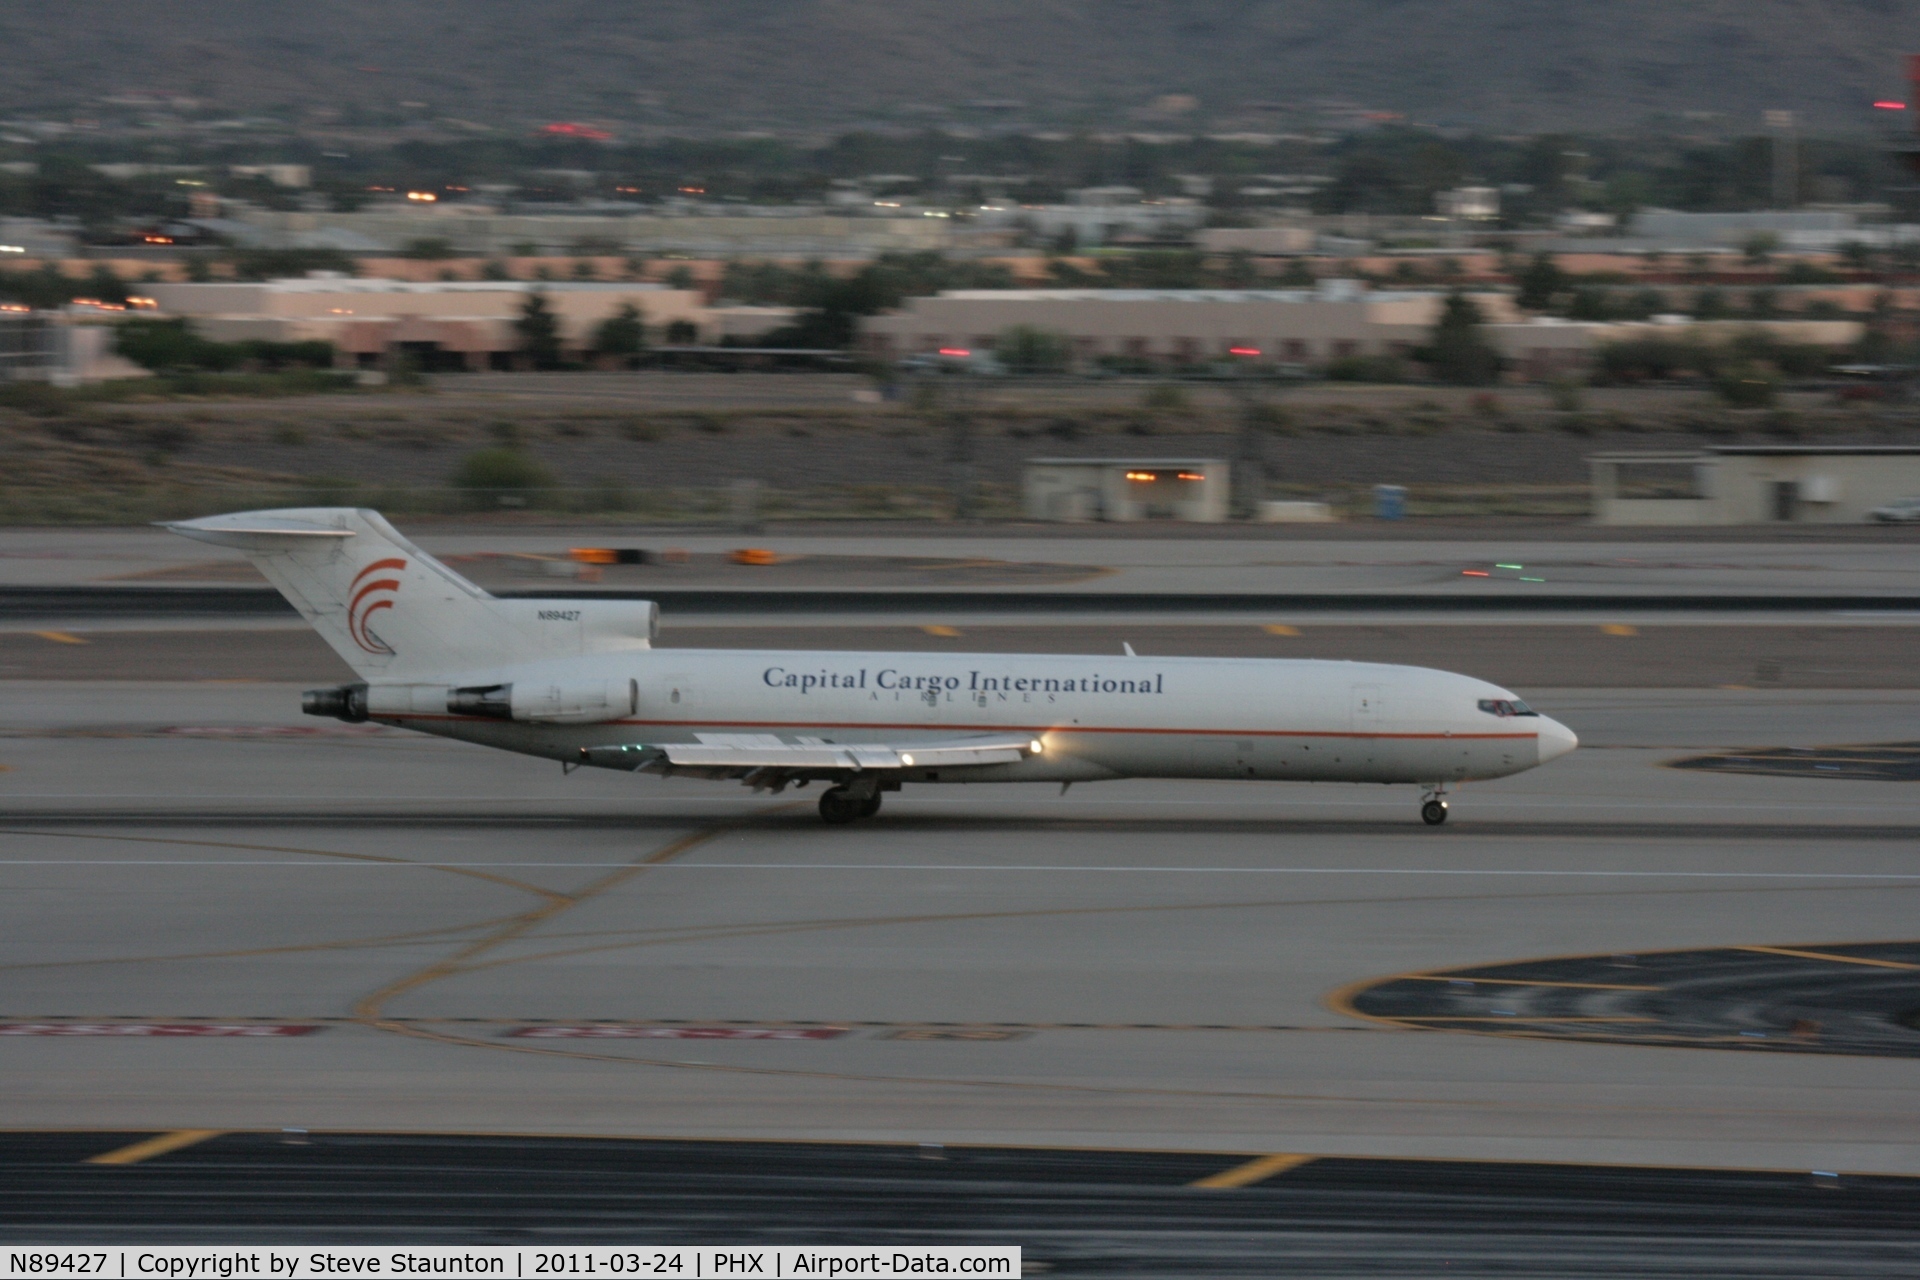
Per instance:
(762,751)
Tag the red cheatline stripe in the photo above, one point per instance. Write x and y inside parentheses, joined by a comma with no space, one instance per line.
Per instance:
(1041,728)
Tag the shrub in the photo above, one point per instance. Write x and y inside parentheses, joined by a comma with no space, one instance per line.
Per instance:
(501,477)
(166,346)
(1023,348)
(1566,395)
(1746,384)
(1645,359)
(1367,369)
(1164,397)
(1457,349)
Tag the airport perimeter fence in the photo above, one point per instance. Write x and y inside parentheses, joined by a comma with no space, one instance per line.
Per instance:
(735,505)
(728,504)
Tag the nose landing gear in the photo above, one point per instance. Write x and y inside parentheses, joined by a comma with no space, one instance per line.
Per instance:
(1433,806)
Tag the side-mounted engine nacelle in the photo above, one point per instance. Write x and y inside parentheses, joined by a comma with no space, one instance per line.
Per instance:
(343,702)
(535,701)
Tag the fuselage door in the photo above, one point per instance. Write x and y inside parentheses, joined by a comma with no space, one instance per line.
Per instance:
(1368,718)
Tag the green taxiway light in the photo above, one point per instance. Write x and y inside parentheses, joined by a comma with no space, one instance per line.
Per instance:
(1509,566)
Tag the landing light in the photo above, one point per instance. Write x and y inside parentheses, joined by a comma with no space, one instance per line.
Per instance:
(1036,746)
(906,759)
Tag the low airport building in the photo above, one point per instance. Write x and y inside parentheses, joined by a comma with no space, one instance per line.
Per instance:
(1126,489)
(63,348)
(1753,484)
(1335,320)
(444,325)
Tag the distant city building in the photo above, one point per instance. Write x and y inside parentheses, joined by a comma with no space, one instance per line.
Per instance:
(1706,229)
(280,175)
(464,324)
(1469,204)
(1097,224)
(36,238)
(1334,320)
(1260,241)
(774,231)
(59,348)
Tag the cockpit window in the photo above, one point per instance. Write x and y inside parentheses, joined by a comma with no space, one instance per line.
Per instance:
(1506,707)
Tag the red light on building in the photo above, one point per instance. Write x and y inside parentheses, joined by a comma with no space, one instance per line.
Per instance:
(1243,351)
(568,129)
(955,351)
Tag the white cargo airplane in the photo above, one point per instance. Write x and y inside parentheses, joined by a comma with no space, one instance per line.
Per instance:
(578,681)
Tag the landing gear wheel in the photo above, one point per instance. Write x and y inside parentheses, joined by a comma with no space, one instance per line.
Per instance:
(1433,812)
(838,806)
(870,806)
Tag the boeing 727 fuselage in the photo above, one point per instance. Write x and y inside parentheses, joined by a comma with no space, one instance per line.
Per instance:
(579,681)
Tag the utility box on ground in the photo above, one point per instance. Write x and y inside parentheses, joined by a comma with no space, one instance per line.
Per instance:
(1126,489)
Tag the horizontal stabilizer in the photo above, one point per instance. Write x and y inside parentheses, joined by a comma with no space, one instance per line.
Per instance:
(253,530)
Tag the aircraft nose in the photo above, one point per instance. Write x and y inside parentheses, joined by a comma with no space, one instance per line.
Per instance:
(1555,739)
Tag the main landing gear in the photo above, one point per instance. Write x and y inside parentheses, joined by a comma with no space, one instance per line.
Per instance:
(1433,809)
(841,805)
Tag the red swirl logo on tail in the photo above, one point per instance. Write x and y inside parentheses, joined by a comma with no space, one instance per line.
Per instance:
(369,593)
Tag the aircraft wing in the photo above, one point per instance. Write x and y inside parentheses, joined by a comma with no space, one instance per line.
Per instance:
(735,754)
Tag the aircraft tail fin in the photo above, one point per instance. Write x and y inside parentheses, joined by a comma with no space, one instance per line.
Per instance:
(392,611)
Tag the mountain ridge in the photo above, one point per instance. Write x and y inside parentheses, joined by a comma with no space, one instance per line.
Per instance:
(1513,65)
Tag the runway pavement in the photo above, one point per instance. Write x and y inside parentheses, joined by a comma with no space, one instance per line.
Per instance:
(218,914)
(1076,1212)
(1823,652)
(1361,558)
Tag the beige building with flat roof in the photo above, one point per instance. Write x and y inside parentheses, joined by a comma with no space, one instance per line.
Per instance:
(449,323)
(1753,484)
(1337,319)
